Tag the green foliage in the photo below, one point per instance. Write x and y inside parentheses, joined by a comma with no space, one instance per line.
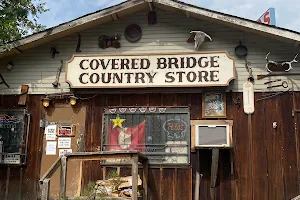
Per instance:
(90,188)
(18,18)
(116,179)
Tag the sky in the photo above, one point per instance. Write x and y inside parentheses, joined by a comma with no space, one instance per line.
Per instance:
(287,11)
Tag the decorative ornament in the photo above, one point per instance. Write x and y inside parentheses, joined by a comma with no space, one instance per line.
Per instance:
(118,122)
(279,66)
(53,52)
(105,41)
(56,82)
(133,33)
(198,37)
(78,43)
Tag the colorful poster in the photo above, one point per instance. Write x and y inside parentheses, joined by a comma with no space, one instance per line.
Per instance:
(126,138)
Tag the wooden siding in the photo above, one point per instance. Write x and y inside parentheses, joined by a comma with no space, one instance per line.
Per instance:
(36,67)
(264,163)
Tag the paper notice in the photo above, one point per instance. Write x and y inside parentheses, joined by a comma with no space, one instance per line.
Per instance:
(51,148)
(64,151)
(64,142)
(50,137)
(50,129)
(12,159)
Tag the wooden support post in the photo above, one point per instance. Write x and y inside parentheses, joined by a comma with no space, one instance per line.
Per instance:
(63,176)
(45,189)
(145,179)
(134,172)
(214,171)
(7,183)
(21,183)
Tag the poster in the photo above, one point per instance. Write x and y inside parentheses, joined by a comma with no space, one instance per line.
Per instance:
(51,148)
(50,132)
(11,159)
(64,151)
(64,143)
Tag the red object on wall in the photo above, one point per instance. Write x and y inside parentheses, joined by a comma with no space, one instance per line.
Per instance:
(127,138)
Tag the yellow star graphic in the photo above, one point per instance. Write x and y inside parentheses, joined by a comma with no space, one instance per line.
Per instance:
(118,122)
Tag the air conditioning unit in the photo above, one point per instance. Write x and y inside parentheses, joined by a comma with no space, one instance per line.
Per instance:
(213,135)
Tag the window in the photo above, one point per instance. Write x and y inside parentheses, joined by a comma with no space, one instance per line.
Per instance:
(163,134)
(12,138)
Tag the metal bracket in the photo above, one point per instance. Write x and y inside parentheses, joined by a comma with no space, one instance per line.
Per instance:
(44,123)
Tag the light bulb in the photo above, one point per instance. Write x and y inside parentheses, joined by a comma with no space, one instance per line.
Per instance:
(73,100)
(46,102)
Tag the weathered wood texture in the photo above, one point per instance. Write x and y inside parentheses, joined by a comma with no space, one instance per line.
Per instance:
(265,168)
(23,181)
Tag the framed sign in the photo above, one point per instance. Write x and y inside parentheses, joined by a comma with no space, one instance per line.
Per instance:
(66,131)
(162,134)
(214,105)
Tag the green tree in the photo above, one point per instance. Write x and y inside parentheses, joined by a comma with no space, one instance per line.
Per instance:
(18,18)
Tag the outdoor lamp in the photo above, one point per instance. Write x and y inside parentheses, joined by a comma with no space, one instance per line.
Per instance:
(73,100)
(46,102)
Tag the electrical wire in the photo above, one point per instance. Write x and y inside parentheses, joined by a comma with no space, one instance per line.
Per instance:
(86,98)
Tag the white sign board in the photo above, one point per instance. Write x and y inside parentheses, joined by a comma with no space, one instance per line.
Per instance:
(51,148)
(64,142)
(64,151)
(155,70)
(11,159)
(248,97)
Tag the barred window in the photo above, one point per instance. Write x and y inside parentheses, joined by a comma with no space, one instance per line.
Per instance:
(162,134)
(12,138)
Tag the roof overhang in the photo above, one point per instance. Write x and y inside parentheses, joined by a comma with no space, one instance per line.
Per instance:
(128,7)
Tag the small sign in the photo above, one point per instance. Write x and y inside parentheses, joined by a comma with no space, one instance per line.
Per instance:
(12,159)
(268,17)
(64,151)
(248,97)
(51,148)
(65,131)
(50,129)
(175,128)
(64,142)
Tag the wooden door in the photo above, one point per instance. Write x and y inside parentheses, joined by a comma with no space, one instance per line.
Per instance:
(75,118)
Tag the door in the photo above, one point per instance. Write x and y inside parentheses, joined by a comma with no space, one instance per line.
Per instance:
(67,120)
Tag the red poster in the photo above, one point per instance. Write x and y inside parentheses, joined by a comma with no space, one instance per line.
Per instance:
(126,138)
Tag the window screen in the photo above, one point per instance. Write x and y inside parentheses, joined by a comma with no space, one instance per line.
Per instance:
(215,135)
(11,136)
(162,134)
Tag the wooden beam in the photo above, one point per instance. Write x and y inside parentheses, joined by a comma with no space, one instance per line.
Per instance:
(23,95)
(214,167)
(7,183)
(145,179)
(45,189)
(115,16)
(51,170)
(134,172)
(21,183)
(150,6)
(63,177)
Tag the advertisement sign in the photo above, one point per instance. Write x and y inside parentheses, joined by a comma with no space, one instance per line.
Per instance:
(268,17)
(154,70)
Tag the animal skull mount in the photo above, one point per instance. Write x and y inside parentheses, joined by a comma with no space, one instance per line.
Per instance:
(106,41)
(199,38)
(287,65)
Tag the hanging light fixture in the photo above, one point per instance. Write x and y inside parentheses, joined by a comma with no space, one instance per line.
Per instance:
(73,100)
(46,102)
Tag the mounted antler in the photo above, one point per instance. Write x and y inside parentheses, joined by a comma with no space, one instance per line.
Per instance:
(287,65)
(199,38)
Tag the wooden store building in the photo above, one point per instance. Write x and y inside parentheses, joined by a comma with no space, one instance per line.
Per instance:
(151,99)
